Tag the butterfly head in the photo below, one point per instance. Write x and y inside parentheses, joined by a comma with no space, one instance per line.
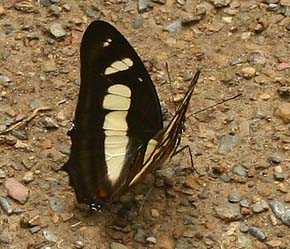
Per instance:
(97,206)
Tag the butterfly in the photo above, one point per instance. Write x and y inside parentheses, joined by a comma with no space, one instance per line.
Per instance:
(117,134)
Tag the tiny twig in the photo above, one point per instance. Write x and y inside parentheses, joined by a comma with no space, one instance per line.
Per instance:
(26,120)
(167,72)
(76,224)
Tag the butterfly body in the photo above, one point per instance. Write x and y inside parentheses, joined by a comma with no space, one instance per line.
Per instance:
(118,134)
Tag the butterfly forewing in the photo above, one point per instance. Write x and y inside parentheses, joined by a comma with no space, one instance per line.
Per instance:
(117,113)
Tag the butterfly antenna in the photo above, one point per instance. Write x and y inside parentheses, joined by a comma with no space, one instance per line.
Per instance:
(170,85)
(216,104)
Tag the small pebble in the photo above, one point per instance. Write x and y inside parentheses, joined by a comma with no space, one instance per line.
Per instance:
(92,13)
(4,80)
(55,204)
(116,245)
(240,171)
(140,236)
(273,7)
(21,145)
(5,205)
(138,22)
(229,212)
(28,177)
(265,96)
(174,26)
(50,236)
(244,127)
(57,30)
(220,3)
(227,144)
(155,213)
(50,123)
(55,10)
(166,242)
(284,92)
(19,135)
(10,140)
(28,164)
(245,203)
(283,112)
(273,220)
(281,210)
(34,229)
(275,243)
(257,58)
(260,206)
(275,159)
(244,229)
(143,5)
(2,174)
(151,240)
(245,211)
(79,244)
(248,72)
(16,190)
(66,7)
(234,197)
(257,233)
(36,103)
(45,3)
(279,176)
(283,66)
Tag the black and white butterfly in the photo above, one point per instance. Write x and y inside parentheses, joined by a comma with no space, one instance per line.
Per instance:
(118,134)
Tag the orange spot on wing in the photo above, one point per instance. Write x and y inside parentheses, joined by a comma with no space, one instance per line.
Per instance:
(103,193)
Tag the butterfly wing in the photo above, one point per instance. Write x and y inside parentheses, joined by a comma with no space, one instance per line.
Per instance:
(118,111)
(164,143)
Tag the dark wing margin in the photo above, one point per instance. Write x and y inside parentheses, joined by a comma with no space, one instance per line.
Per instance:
(101,46)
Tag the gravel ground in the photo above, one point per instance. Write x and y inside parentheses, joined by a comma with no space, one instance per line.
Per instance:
(240,197)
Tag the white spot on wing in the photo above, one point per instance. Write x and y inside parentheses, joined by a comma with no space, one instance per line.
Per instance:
(121,90)
(150,148)
(115,146)
(107,42)
(118,66)
(115,152)
(115,127)
(148,155)
(128,62)
(111,70)
(116,120)
(115,133)
(116,102)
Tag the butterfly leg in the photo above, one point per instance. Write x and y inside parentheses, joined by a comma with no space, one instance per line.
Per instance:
(176,151)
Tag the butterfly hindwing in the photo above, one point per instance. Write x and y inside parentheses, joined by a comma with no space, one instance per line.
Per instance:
(165,142)
(117,113)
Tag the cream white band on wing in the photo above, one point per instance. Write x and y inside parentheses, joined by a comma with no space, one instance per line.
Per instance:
(117,101)
(149,156)
(118,66)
